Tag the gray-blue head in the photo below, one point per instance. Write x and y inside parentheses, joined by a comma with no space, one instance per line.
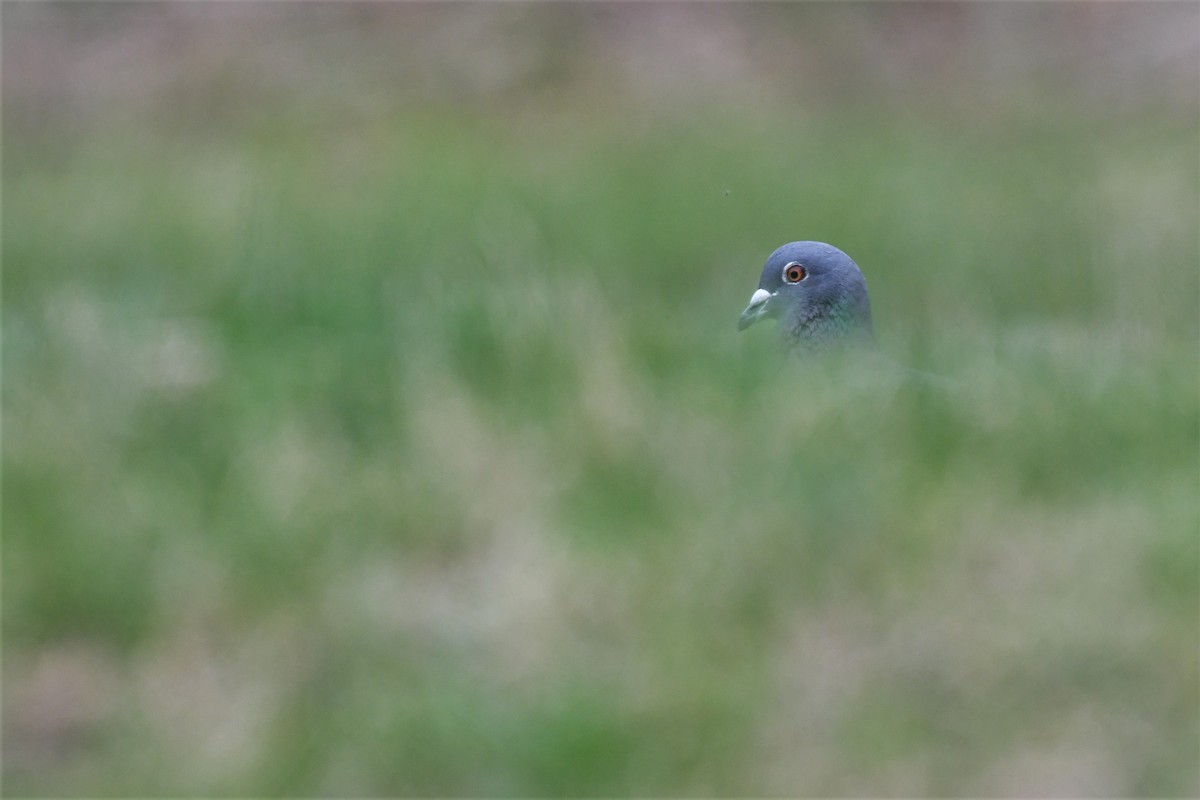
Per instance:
(817,293)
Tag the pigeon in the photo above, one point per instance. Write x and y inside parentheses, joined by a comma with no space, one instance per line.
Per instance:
(819,296)
(817,293)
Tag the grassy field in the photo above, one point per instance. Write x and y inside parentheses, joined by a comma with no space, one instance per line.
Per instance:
(417,454)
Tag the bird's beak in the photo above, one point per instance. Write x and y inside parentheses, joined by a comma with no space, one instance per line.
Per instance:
(756,310)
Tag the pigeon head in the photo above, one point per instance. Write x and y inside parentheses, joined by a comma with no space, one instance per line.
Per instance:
(817,293)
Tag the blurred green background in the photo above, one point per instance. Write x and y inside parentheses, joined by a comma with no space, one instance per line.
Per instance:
(375,422)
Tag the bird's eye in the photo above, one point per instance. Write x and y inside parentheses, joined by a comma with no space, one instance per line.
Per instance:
(794,273)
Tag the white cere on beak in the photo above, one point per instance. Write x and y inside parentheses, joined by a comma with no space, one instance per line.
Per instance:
(759,297)
(756,309)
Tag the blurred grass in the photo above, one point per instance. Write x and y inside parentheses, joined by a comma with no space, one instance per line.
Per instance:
(420,457)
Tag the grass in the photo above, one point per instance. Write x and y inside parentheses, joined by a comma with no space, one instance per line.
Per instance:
(421,457)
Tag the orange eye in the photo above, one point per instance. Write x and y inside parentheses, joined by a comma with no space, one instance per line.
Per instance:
(794,273)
